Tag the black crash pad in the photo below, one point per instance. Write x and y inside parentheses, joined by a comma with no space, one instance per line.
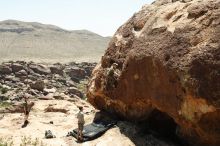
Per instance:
(93,130)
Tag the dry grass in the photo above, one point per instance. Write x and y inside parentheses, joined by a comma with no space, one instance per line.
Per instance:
(25,141)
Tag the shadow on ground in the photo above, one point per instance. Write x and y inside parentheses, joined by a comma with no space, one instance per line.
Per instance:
(158,130)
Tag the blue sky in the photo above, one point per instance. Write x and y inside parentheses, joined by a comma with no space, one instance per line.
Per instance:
(100,16)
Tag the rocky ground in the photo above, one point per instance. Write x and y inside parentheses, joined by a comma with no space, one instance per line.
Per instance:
(56,90)
(124,133)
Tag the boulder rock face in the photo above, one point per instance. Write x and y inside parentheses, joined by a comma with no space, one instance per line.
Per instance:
(168,56)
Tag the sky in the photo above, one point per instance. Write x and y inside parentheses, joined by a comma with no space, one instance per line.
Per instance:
(99,16)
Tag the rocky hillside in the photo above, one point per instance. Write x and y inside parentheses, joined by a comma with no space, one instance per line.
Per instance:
(47,43)
(55,81)
(168,57)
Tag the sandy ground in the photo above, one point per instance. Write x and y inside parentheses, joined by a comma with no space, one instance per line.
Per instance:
(10,126)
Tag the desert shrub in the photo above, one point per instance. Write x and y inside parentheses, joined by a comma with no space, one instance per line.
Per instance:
(4,90)
(4,104)
(82,87)
(6,142)
(28,141)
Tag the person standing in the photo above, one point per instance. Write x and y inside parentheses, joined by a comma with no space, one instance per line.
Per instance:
(26,111)
(81,122)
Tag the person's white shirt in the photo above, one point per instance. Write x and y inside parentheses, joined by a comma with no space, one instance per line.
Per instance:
(80,117)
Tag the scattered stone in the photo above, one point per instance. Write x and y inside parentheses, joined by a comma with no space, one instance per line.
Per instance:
(6,87)
(51,90)
(61,80)
(75,91)
(5,69)
(9,77)
(75,97)
(3,97)
(40,69)
(38,85)
(16,67)
(48,97)
(21,73)
(77,80)
(48,134)
(16,98)
(57,70)
(59,96)
(52,109)
(33,77)
(76,72)
(88,70)
(33,92)
(70,83)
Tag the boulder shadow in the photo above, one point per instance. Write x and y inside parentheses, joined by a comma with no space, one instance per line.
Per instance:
(158,130)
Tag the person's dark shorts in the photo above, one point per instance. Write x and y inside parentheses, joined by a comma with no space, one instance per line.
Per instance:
(26,113)
(80,126)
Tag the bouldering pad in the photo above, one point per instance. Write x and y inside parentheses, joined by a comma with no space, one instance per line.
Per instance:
(93,130)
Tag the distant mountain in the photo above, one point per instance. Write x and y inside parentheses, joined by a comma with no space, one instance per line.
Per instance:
(48,43)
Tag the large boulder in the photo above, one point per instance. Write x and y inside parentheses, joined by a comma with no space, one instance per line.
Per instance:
(88,67)
(75,91)
(21,73)
(11,78)
(16,67)
(168,56)
(76,72)
(5,69)
(38,85)
(40,69)
(88,70)
(57,69)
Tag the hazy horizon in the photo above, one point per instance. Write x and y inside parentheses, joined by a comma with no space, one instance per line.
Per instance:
(50,25)
(101,17)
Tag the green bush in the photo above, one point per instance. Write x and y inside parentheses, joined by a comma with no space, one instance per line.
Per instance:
(4,105)
(4,90)
(82,86)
